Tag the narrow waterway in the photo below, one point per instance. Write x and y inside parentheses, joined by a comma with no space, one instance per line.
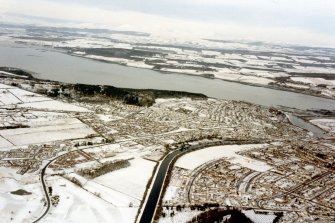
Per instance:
(150,207)
(317,132)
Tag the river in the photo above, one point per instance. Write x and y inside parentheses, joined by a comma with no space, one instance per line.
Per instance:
(51,64)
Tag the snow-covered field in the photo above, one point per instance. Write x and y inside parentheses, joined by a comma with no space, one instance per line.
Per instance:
(52,105)
(7,98)
(113,197)
(178,217)
(130,181)
(11,74)
(42,126)
(61,129)
(4,143)
(108,118)
(229,75)
(10,95)
(259,218)
(124,187)
(194,159)
(4,86)
(186,215)
(78,205)
(313,81)
(19,208)
(119,191)
(27,97)
(109,59)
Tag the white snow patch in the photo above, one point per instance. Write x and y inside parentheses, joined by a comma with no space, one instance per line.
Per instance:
(60,129)
(5,144)
(78,205)
(194,159)
(26,96)
(26,99)
(109,59)
(79,52)
(313,81)
(54,106)
(179,216)
(108,118)
(130,181)
(259,218)
(297,86)
(325,124)
(4,86)
(210,52)
(139,64)
(170,193)
(11,74)
(7,98)
(110,195)
(21,208)
(255,80)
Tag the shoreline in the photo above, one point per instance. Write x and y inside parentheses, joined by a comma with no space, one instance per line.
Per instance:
(272,85)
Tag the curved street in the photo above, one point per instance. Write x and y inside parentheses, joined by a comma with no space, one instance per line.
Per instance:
(45,191)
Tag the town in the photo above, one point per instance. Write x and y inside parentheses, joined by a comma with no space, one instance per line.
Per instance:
(67,151)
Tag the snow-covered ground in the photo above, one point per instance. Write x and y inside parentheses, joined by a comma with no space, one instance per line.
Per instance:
(10,95)
(108,59)
(47,131)
(179,216)
(11,74)
(4,143)
(108,118)
(313,81)
(124,187)
(20,208)
(259,218)
(187,215)
(254,78)
(78,205)
(27,97)
(194,159)
(299,86)
(139,64)
(130,181)
(325,124)
(119,191)
(41,126)
(4,86)
(52,105)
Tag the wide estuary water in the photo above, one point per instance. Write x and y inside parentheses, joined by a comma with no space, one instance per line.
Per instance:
(55,65)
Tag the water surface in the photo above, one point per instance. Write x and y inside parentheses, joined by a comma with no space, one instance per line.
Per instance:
(54,65)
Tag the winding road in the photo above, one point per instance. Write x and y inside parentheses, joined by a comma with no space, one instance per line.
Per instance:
(156,192)
(45,191)
(44,186)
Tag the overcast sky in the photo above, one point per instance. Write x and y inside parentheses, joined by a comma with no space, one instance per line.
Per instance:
(310,22)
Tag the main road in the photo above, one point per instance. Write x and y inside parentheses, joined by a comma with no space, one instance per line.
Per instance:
(45,191)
